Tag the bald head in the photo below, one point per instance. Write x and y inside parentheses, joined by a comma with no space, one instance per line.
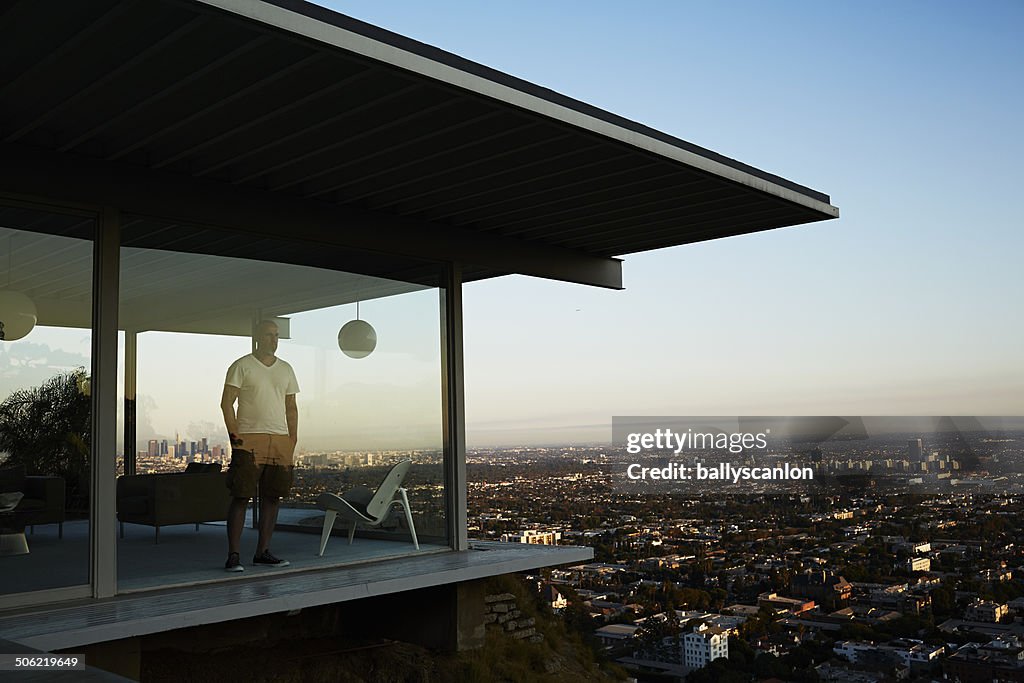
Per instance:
(266,337)
(265,325)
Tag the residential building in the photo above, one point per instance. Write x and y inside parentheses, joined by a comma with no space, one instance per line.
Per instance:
(824,587)
(553,597)
(778,603)
(728,623)
(915,450)
(913,654)
(897,597)
(919,564)
(986,610)
(999,575)
(614,635)
(1001,659)
(743,610)
(703,645)
(777,644)
(533,536)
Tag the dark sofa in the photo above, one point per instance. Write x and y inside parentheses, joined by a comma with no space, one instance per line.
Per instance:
(44,497)
(199,494)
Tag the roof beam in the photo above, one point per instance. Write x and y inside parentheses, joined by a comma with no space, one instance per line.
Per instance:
(258,120)
(333,149)
(448,170)
(422,159)
(101,23)
(323,123)
(191,78)
(558,192)
(439,66)
(107,78)
(61,177)
(493,188)
(391,149)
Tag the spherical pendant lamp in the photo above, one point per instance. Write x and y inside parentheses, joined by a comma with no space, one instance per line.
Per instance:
(17,315)
(357,338)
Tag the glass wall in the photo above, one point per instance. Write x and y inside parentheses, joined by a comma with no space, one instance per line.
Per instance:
(190,301)
(46,275)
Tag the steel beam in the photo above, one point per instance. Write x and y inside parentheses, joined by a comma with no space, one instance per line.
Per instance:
(52,176)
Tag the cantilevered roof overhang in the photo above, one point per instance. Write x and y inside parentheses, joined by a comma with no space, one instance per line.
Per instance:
(282,115)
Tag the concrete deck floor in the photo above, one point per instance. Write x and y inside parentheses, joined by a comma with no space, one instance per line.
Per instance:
(185,556)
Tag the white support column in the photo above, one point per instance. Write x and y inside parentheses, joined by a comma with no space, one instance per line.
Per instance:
(102,509)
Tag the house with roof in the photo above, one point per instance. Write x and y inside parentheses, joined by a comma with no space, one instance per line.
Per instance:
(824,587)
(616,635)
(553,598)
(173,172)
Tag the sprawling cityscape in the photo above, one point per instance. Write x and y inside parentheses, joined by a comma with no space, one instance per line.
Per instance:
(903,561)
(863,583)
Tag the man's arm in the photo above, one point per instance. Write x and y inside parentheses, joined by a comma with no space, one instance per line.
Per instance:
(291,412)
(292,415)
(227,407)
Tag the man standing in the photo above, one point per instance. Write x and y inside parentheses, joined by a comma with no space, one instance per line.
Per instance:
(263,436)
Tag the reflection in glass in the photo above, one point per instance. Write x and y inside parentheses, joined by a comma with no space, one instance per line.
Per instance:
(45,401)
(189,314)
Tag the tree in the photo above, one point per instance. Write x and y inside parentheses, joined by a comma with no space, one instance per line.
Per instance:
(48,430)
(717,671)
(943,601)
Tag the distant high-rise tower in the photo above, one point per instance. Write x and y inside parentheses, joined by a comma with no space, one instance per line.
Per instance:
(154,447)
(915,450)
(163,447)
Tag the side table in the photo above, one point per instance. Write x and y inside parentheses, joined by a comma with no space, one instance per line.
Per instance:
(12,534)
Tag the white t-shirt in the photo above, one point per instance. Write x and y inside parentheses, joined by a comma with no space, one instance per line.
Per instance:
(261,392)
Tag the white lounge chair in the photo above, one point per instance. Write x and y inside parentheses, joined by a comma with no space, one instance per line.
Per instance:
(360,505)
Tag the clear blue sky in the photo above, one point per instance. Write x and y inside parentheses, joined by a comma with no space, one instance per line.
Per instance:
(908,114)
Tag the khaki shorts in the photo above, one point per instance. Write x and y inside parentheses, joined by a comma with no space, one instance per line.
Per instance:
(245,477)
(267,449)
